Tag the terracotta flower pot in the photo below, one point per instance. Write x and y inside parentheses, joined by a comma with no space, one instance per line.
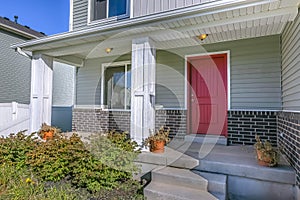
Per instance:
(264,159)
(157,146)
(48,135)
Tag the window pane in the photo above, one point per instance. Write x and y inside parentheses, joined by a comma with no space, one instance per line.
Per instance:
(117,7)
(100,9)
(115,87)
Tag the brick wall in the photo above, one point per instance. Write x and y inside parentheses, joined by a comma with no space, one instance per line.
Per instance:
(96,120)
(89,120)
(119,120)
(175,119)
(243,125)
(289,139)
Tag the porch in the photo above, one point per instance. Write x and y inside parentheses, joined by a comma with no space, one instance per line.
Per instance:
(232,172)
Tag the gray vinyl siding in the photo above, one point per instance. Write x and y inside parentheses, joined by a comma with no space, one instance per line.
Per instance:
(88,80)
(63,84)
(15,71)
(170,92)
(291,66)
(140,8)
(254,70)
(80,14)
(147,7)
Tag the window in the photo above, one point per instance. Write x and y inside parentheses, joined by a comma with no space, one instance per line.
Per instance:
(117,86)
(110,8)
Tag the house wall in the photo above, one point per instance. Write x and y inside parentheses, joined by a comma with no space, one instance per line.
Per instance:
(255,85)
(254,70)
(140,8)
(147,7)
(289,119)
(15,71)
(291,66)
(80,14)
(88,80)
(170,88)
(63,95)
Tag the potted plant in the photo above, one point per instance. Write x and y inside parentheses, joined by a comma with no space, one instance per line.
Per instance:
(48,132)
(157,141)
(266,154)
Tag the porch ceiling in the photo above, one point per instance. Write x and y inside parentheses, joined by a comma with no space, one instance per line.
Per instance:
(245,20)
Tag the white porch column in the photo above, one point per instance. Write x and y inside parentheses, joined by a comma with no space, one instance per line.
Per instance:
(143,89)
(41,91)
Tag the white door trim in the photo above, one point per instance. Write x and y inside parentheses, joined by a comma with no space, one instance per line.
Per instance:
(228,75)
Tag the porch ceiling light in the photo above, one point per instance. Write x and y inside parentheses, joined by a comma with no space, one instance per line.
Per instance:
(108,50)
(202,36)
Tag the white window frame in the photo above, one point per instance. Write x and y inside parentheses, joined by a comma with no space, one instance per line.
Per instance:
(91,8)
(104,67)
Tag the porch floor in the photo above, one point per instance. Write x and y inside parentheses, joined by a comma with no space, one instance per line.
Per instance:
(229,160)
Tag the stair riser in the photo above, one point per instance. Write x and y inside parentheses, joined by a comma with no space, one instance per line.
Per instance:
(180,181)
(217,183)
(152,195)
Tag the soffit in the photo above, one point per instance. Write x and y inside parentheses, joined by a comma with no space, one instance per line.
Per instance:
(246,21)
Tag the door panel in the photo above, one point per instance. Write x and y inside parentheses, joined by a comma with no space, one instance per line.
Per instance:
(208,95)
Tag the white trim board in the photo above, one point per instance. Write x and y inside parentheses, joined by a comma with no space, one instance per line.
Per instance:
(228,75)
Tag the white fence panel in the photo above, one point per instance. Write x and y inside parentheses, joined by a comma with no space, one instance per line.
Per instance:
(14,117)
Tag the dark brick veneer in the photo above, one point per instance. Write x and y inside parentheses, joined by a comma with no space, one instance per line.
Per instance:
(243,125)
(97,120)
(289,139)
(175,119)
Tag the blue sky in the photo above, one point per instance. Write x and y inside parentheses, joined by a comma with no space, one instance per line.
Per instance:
(48,16)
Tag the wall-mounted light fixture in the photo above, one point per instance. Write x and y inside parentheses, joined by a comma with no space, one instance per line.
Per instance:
(202,36)
(108,50)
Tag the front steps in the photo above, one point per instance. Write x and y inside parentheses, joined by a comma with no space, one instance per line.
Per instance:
(169,183)
(232,173)
(206,139)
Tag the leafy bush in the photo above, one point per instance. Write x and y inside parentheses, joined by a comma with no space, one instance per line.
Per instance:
(116,151)
(129,190)
(17,184)
(14,148)
(106,164)
(55,159)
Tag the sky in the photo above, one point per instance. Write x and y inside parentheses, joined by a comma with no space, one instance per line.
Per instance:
(47,16)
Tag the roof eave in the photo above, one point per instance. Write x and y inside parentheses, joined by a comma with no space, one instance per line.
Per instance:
(18,32)
(211,7)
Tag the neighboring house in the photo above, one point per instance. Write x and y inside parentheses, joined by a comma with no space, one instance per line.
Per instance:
(140,64)
(15,74)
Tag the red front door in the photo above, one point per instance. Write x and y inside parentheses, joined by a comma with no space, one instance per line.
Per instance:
(208,94)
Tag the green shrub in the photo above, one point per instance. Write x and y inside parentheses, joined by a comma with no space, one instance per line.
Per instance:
(55,159)
(21,184)
(106,164)
(116,151)
(129,190)
(14,148)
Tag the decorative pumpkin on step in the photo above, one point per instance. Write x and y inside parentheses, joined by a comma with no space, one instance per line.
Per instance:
(157,141)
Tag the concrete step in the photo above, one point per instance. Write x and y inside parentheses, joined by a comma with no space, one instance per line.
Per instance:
(180,177)
(217,184)
(161,191)
(206,139)
(170,157)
